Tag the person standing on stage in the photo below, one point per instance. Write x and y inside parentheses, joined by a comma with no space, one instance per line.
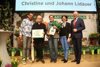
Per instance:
(77,26)
(64,36)
(53,39)
(25,34)
(38,42)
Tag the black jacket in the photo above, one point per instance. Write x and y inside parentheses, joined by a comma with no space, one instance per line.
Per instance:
(39,26)
(64,31)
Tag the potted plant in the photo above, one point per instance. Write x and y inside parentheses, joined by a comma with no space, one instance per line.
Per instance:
(84,49)
(92,49)
(98,51)
(13,52)
(14,62)
(94,38)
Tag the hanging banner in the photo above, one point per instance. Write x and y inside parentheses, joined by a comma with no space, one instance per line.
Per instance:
(56,5)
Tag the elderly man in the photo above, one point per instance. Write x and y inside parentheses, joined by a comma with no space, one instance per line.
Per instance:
(25,34)
(77,26)
(39,41)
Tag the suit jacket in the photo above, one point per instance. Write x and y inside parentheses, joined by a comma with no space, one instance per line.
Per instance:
(79,26)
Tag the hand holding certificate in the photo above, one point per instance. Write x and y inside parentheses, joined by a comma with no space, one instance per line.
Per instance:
(52,31)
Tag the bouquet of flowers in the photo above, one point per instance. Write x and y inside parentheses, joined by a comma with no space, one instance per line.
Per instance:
(55,23)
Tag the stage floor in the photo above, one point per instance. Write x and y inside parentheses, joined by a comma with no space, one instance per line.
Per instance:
(87,61)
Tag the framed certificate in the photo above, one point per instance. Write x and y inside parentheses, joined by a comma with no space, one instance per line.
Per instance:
(38,33)
(52,31)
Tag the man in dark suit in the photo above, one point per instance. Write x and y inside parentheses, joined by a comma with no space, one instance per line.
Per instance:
(77,26)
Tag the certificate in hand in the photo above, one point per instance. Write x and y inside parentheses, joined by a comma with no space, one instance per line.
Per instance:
(38,33)
(52,31)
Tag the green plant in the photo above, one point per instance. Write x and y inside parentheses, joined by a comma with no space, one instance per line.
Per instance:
(84,47)
(94,35)
(14,62)
(16,33)
(6,16)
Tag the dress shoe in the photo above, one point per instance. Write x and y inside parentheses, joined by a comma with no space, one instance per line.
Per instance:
(65,61)
(42,60)
(62,59)
(51,61)
(37,60)
(78,62)
(55,61)
(73,61)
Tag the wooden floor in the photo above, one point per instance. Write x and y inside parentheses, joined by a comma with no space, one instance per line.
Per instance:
(87,61)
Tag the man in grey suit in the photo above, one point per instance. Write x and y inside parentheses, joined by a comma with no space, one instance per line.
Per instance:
(77,26)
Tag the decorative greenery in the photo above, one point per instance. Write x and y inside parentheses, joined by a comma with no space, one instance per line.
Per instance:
(94,38)
(8,43)
(14,62)
(13,51)
(6,16)
(93,47)
(16,32)
(94,35)
(84,48)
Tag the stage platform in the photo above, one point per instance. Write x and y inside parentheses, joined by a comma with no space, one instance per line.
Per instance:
(87,61)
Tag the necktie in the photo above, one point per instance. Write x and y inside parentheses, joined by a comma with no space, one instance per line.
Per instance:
(74,23)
